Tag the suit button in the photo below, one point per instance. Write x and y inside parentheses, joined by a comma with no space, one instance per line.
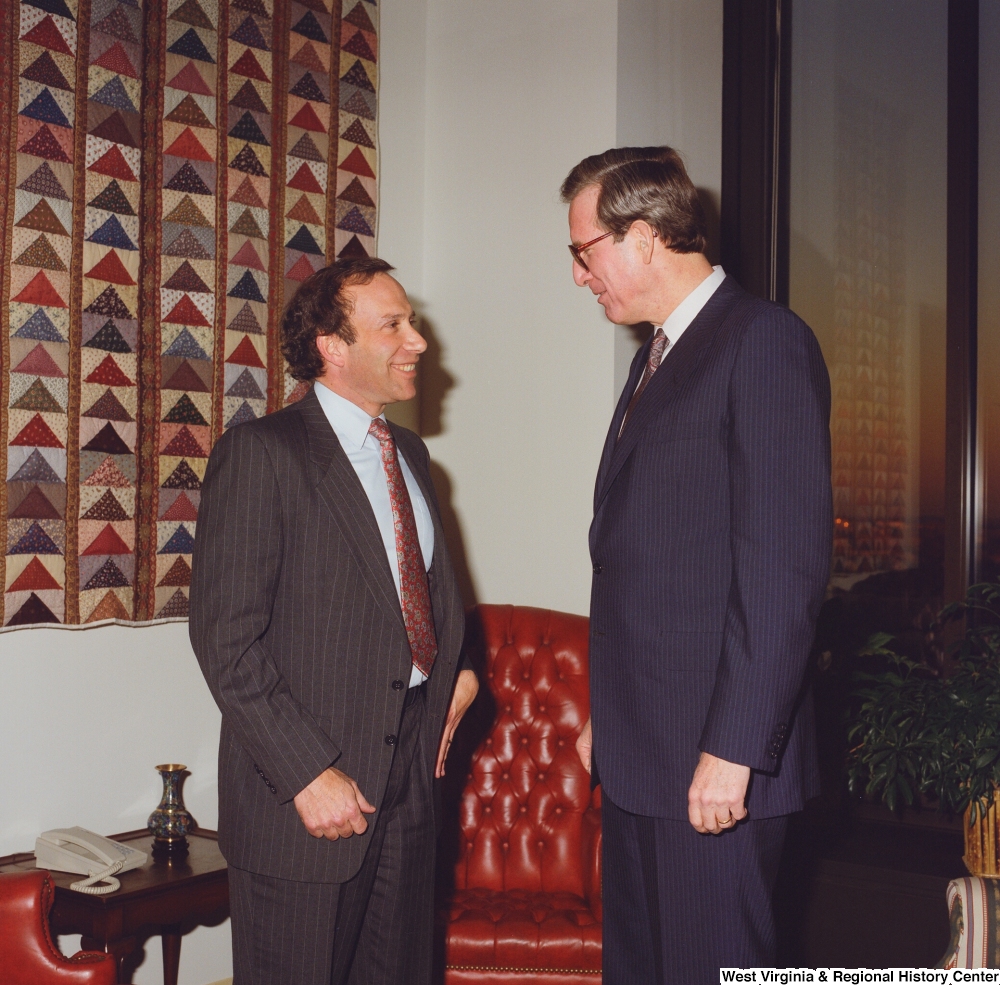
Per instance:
(598,568)
(397,685)
(390,740)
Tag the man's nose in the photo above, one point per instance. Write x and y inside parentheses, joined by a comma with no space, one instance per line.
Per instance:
(580,274)
(416,342)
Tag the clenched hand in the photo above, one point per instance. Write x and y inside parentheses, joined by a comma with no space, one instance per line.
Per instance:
(717,793)
(333,806)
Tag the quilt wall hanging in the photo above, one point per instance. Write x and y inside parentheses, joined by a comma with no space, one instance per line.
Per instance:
(174,169)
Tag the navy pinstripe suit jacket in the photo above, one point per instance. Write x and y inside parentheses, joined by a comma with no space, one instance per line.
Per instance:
(711,546)
(297,626)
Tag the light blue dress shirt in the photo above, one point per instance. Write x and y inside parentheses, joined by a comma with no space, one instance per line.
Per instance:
(350,423)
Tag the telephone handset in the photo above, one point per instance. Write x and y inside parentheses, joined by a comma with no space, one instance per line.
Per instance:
(80,850)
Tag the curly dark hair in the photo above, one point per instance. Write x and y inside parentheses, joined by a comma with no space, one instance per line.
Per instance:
(648,183)
(319,307)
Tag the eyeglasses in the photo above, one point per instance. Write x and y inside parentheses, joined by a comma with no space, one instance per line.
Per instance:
(577,251)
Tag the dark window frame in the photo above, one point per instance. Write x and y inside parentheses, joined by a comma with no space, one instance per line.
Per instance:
(754,226)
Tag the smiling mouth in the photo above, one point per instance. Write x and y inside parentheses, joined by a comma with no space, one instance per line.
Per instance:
(406,367)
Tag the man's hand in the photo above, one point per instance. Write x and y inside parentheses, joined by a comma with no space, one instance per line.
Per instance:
(584,745)
(715,799)
(333,806)
(466,689)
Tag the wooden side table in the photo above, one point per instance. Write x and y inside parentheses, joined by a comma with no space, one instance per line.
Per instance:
(159,898)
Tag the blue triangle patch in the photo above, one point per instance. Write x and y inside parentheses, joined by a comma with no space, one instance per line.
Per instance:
(111,233)
(45,108)
(35,541)
(181,543)
(247,289)
(40,328)
(113,93)
(186,346)
(190,45)
(244,414)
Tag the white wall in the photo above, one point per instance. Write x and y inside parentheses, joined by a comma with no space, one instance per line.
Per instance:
(484,108)
(670,92)
(513,95)
(86,716)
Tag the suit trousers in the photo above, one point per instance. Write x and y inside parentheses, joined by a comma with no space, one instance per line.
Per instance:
(375,929)
(679,905)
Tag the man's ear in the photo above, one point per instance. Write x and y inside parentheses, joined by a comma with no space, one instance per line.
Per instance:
(332,349)
(644,236)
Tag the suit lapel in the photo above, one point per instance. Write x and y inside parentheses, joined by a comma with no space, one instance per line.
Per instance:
(679,363)
(341,490)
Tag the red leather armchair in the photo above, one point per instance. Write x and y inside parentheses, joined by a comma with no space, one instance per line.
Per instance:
(525,905)
(28,955)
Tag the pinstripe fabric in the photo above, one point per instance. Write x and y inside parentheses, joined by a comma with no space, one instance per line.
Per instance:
(297,627)
(387,910)
(374,929)
(294,949)
(679,905)
(711,548)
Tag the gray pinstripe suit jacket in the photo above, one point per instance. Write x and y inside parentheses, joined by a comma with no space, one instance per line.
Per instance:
(297,626)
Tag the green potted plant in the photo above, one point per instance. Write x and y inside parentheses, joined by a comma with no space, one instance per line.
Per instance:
(918,730)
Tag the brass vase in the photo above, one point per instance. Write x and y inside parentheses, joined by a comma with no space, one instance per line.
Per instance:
(981,848)
(171,822)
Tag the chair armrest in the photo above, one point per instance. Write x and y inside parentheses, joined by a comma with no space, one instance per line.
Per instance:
(590,844)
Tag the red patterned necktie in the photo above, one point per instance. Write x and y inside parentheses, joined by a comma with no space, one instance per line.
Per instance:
(415,597)
(652,364)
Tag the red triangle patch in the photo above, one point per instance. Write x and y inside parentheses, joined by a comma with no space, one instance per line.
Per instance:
(307,119)
(109,373)
(46,34)
(248,66)
(305,181)
(247,256)
(111,269)
(180,509)
(38,362)
(245,354)
(36,433)
(115,60)
(185,445)
(34,578)
(301,269)
(355,163)
(39,290)
(107,542)
(114,165)
(186,312)
(189,79)
(189,146)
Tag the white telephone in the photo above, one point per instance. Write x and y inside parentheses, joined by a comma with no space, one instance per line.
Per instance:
(80,850)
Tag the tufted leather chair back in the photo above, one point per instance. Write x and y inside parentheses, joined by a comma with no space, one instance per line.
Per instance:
(28,955)
(522,806)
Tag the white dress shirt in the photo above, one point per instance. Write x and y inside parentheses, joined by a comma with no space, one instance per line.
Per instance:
(690,308)
(351,424)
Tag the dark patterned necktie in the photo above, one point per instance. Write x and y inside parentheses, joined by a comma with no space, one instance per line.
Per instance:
(652,364)
(415,598)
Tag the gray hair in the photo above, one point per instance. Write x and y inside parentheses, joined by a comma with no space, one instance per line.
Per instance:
(647,183)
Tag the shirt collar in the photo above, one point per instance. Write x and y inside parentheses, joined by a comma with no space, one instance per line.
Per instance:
(689,308)
(349,422)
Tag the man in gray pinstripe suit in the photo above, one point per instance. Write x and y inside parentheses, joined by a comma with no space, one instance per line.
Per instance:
(327,621)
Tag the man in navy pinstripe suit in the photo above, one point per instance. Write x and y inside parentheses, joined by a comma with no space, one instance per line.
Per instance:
(711,549)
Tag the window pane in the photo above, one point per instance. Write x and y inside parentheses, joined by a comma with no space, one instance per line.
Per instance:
(989,282)
(867,272)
